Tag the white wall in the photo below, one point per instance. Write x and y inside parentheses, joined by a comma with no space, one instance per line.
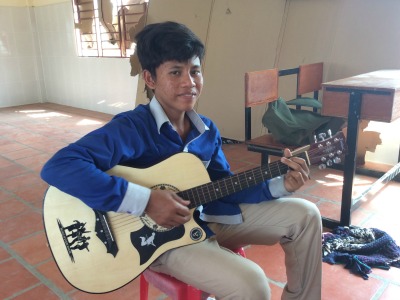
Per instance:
(20,81)
(243,36)
(38,63)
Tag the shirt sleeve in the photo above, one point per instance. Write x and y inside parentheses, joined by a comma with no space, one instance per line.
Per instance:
(135,200)
(277,187)
(80,168)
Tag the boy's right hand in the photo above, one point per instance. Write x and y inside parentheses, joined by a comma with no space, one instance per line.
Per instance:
(167,209)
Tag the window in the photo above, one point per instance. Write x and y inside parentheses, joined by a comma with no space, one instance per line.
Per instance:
(105,27)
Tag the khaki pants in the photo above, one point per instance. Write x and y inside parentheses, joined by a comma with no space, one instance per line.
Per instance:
(209,266)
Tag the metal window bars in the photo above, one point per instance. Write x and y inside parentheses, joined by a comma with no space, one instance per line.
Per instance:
(105,28)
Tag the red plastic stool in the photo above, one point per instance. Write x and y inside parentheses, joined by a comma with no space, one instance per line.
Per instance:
(171,286)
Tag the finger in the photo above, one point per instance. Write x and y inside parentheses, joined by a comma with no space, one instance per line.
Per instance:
(180,200)
(290,163)
(301,162)
(177,221)
(182,206)
(299,167)
(287,153)
(295,162)
(183,212)
(182,219)
(299,177)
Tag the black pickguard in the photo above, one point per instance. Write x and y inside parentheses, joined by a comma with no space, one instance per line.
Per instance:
(160,238)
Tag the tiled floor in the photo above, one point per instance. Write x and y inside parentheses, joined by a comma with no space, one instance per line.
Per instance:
(30,134)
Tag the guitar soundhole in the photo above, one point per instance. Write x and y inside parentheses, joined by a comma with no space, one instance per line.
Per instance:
(151,224)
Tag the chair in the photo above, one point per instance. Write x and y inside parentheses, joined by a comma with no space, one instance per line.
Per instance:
(309,80)
(261,88)
(171,286)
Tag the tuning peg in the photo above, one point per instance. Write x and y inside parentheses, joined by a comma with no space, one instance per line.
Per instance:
(337,160)
(322,136)
(330,133)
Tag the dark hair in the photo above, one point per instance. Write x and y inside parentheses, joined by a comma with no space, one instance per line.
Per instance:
(161,42)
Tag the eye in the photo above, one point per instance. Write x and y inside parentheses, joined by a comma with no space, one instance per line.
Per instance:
(196,72)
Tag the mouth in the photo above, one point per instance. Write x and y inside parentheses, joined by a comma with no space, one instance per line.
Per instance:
(188,94)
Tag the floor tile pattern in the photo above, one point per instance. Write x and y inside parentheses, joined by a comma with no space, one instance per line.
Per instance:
(31,134)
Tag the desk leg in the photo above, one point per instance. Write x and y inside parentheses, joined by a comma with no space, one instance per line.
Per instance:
(350,160)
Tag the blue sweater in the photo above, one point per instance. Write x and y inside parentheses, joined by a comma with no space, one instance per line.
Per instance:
(141,138)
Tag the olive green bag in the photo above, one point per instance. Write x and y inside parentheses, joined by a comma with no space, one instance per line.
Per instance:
(297,127)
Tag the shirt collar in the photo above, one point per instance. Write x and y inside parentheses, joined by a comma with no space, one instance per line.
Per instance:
(159,115)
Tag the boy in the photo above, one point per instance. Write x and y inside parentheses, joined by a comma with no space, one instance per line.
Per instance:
(170,56)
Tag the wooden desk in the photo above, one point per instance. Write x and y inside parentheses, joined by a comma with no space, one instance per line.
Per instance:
(372,96)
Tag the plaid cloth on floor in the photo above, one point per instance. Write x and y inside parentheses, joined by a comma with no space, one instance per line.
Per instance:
(360,249)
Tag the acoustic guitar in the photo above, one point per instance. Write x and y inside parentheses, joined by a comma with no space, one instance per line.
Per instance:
(98,252)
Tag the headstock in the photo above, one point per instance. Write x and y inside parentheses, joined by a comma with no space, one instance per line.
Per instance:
(328,151)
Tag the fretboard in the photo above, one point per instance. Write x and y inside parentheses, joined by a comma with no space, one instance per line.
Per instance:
(226,186)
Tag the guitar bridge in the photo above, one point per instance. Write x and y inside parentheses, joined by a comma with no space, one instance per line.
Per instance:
(104,233)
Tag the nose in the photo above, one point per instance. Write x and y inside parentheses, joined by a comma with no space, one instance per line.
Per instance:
(188,80)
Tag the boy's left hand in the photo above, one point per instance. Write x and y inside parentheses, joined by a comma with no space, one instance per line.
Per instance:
(298,173)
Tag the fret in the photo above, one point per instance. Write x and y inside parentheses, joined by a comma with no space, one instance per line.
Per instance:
(192,195)
(188,195)
(258,175)
(245,178)
(205,192)
(279,169)
(232,187)
(214,189)
(251,178)
(198,194)
(266,173)
(227,191)
(195,197)
(208,190)
(220,188)
(236,183)
(271,170)
(184,194)
(282,168)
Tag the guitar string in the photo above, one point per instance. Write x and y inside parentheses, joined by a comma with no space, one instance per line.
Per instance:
(250,175)
(127,220)
(124,222)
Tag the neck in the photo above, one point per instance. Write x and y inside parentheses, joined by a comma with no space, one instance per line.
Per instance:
(182,127)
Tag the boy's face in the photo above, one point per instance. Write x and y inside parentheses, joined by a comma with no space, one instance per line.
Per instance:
(177,85)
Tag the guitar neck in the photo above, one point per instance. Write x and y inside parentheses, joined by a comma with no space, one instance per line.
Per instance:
(226,186)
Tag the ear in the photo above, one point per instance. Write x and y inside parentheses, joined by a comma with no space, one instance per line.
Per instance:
(148,79)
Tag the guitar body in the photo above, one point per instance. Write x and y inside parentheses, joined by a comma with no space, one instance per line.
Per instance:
(99,252)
